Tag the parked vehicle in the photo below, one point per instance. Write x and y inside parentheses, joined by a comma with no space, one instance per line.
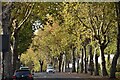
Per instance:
(26,68)
(22,75)
(50,69)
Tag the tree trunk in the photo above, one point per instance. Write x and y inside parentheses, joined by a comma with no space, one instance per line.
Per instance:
(113,66)
(78,66)
(91,65)
(60,61)
(115,58)
(82,68)
(7,64)
(68,64)
(41,65)
(108,61)
(63,62)
(85,59)
(96,65)
(41,68)
(104,71)
(15,53)
(59,66)
(73,60)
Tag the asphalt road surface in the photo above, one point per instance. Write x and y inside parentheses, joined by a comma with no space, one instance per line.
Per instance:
(66,76)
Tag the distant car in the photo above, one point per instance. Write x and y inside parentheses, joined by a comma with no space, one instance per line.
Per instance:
(50,69)
(22,75)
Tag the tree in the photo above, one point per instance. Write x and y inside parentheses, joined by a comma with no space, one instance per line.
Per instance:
(84,44)
(22,23)
(6,10)
(32,59)
(49,41)
(41,65)
(117,54)
(100,24)
(17,24)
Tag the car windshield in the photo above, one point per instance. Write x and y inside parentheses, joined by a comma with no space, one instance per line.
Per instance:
(24,68)
(50,67)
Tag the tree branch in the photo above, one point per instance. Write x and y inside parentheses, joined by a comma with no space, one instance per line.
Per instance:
(25,19)
(82,22)
(27,11)
(107,42)
(103,22)
(106,29)
(91,22)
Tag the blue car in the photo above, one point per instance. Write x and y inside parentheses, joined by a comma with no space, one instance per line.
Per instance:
(22,75)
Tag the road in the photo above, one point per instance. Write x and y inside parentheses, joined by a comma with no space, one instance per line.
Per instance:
(66,76)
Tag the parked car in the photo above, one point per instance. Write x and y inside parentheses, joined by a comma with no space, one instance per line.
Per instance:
(26,68)
(22,75)
(50,69)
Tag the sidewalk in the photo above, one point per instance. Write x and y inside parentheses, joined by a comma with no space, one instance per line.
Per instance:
(88,76)
(68,75)
(80,75)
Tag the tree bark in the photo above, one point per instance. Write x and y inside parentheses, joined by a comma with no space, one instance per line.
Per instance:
(7,64)
(41,65)
(104,71)
(82,68)
(73,60)
(14,44)
(96,65)
(68,64)
(115,58)
(60,61)
(85,59)
(91,65)
(78,66)
(63,62)
(108,61)
(15,53)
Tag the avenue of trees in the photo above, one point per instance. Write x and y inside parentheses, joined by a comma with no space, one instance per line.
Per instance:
(72,32)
